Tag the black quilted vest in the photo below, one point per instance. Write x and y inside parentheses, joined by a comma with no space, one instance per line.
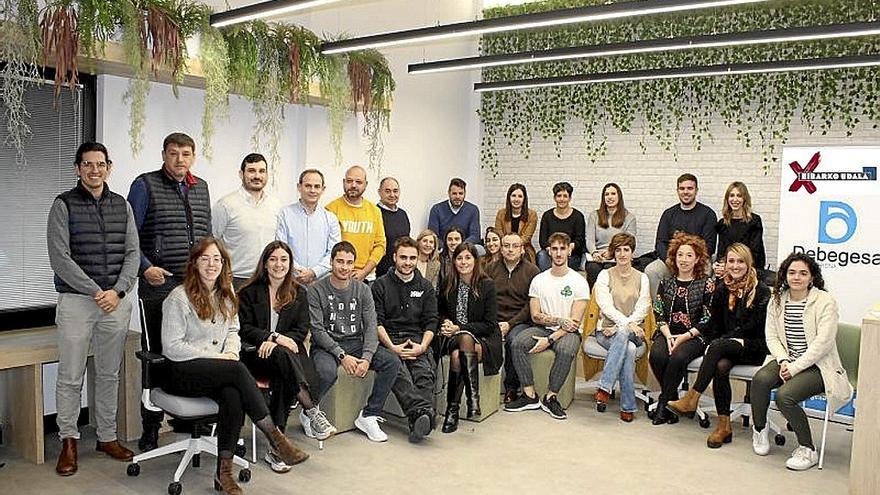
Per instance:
(174,222)
(97,235)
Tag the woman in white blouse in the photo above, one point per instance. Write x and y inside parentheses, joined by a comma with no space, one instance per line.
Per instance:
(623,296)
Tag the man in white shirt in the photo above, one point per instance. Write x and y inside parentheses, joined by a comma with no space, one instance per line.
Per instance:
(558,301)
(246,219)
(310,231)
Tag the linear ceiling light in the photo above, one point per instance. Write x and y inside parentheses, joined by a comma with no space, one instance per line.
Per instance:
(685,72)
(263,9)
(649,46)
(527,21)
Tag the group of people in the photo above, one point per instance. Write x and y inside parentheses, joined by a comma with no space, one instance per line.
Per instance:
(349,277)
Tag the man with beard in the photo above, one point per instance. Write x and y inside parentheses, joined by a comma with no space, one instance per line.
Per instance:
(406,318)
(360,222)
(246,219)
(456,211)
(689,216)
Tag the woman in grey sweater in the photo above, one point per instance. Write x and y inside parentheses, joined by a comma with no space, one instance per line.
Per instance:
(200,340)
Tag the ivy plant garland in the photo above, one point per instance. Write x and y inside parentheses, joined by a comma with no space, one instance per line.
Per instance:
(272,65)
(759,108)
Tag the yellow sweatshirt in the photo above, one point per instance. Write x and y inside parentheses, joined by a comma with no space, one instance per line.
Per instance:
(362,227)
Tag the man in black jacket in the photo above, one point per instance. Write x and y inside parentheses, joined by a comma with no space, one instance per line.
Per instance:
(172,210)
(406,314)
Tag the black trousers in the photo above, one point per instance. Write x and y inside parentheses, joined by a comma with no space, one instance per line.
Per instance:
(227,382)
(284,370)
(670,370)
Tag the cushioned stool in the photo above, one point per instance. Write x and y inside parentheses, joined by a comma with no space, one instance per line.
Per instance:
(346,398)
(541,364)
(490,392)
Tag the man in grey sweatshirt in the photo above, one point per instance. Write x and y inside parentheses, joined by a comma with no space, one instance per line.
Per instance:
(343,321)
(92,241)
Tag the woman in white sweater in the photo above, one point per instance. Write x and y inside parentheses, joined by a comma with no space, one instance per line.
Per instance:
(623,296)
(802,340)
(200,341)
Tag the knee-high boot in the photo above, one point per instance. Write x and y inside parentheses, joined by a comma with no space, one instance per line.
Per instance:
(471,367)
(453,398)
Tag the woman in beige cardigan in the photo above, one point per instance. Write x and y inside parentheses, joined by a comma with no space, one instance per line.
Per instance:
(516,216)
(802,339)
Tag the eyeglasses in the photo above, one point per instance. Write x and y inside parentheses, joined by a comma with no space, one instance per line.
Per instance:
(508,245)
(211,260)
(95,165)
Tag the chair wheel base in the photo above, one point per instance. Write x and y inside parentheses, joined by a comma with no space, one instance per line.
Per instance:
(779,439)
(175,488)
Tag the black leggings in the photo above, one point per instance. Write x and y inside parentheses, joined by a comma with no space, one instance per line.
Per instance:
(227,382)
(721,356)
(670,370)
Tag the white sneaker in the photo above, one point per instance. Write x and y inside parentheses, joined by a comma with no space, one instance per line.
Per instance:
(306,424)
(802,458)
(370,426)
(761,440)
(319,424)
(276,464)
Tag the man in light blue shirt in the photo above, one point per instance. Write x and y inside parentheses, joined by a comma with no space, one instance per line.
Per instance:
(310,231)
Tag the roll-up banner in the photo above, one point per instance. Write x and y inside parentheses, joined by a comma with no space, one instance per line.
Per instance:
(829,208)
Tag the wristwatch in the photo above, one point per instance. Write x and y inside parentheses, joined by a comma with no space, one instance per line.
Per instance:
(120,294)
(273,336)
(340,356)
(550,339)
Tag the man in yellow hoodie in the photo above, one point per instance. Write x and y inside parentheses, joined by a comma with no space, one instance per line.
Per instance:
(360,222)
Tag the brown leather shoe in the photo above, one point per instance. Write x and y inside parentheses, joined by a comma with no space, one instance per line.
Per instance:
(601,399)
(67,459)
(627,417)
(115,450)
(285,449)
(687,405)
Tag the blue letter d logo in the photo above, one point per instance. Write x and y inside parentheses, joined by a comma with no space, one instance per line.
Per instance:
(836,210)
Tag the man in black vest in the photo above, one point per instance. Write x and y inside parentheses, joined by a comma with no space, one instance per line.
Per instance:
(93,249)
(172,210)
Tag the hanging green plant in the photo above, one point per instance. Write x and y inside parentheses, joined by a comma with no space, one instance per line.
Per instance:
(134,42)
(336,88)
(19,48)
(372,87)
(97,22)
(214,59)
(758,107)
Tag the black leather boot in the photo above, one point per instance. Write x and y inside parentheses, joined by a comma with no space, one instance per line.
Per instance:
(471,366)
(453,398)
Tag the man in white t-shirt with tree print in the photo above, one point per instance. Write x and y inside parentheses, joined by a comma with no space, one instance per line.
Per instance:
(558,301)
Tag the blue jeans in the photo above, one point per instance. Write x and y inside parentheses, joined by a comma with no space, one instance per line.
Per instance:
(620,364)
(544,261)
(384,363)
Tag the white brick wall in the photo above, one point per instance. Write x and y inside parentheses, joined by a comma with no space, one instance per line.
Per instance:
(648,179)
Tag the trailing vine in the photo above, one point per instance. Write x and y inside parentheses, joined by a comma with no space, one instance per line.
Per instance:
(271,64)
(758,107)
(336,87)
(19,48)
(372,87)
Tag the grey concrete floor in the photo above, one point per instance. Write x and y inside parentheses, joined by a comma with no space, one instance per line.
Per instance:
(509,453)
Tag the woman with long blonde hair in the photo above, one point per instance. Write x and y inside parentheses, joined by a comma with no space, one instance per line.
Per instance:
(736,328)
